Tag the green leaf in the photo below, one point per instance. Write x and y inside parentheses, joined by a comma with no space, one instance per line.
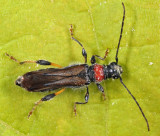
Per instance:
(33,30)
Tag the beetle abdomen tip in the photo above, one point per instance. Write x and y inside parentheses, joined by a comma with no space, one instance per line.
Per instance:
(19,81)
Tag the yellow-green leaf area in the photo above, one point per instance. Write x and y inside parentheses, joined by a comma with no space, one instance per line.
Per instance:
(33,30)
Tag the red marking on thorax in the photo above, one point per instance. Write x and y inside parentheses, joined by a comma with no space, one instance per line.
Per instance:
(98,72)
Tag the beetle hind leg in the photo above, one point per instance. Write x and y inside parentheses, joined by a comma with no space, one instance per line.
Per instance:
(40,62)
(46,98)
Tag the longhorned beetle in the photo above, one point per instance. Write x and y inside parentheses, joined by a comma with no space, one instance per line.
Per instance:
(74,76)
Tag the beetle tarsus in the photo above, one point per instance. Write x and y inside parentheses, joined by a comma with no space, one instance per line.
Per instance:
(12,58)
(36,104)
(102,90)
(104,96)
(75,111)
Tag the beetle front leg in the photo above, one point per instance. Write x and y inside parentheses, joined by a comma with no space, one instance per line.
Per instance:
(93,60)
(40,62)
(102,90)
(84,53)
(86,101)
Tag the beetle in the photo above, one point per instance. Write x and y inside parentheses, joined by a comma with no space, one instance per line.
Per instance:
(74,76)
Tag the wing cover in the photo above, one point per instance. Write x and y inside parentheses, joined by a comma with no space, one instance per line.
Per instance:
(54,78)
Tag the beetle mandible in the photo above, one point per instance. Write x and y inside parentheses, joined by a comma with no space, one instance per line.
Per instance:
(74,76)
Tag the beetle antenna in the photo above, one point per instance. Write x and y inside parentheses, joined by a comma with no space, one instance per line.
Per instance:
(136,103)
(120,33)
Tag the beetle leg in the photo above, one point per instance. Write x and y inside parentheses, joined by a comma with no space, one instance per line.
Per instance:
(101,89)
(86,101)
(84,53)
(46,98)
(40,62)
(93,60)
